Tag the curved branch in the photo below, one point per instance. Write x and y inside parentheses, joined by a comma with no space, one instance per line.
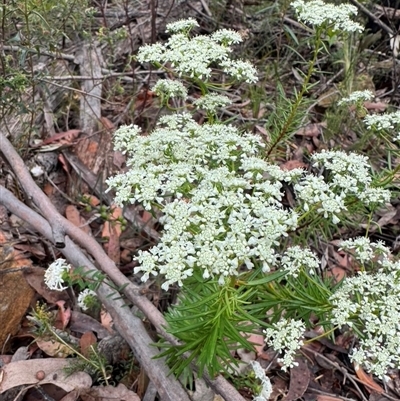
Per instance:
(128,325)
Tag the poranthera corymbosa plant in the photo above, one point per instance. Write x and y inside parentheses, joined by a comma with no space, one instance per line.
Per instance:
(229,242)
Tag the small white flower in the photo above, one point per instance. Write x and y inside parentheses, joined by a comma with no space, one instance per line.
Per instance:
(170,88)
(383,121)
(151,53)
(85,298)
(227,37)
(318,13)
(184,25)
(357,96)
(53,277)
(361,246)
(296,258)
(212,101)
(370,302)
(285,336)
(241,70)
(350,170)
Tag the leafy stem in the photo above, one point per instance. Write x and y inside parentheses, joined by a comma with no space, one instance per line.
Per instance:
(299,96)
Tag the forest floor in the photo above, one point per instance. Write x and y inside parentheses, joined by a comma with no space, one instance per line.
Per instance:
(70,157)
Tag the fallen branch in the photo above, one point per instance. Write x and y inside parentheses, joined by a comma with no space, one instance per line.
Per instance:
(128,325)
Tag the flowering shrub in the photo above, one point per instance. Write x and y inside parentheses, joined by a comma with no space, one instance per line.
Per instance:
(230,241)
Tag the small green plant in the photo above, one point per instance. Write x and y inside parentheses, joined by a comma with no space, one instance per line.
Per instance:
(93,363)
(60,275)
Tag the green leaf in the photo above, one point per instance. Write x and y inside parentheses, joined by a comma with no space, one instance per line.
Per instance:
(267,279)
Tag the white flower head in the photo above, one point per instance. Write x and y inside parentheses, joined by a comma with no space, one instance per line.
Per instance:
(318,13)
(53,277)
(193,57)
(227,37)
(296,258)
(184,25)
(357,96)
(168,88)
(361,246)
(350,175)
(86,298)
(241,70)
(285,336)
(381,122)
(212,101)
(370,302)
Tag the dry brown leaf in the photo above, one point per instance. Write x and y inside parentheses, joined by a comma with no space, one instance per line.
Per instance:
(25,372)
(107,124)
(311,130)
(35,249)
(106,320)
(64,163)
(337,272)
(292,164)
(73,215)
(72,396)
(329,97)
(321,397)
(299,380)
(377,106)
(63,315)
(367,380)
(60,139)
(15,293)
(109,393)
(81,323)
(112,231)
(279,387)
(54,348)
(147,216)
(257,340)
(387,216)
(86,341)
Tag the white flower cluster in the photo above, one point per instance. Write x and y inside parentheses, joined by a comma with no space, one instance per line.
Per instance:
(316,12)
(382,121)
(184,25)
(168,88)
(175,156)
(53,277)
(314,190)
(351,176)
(363,250)
(266,386)
(222,202)
(369,304)
(357,96)
(86,298)
(296,257)
(194,56)
(219,210)
(285,336)
(212,101)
